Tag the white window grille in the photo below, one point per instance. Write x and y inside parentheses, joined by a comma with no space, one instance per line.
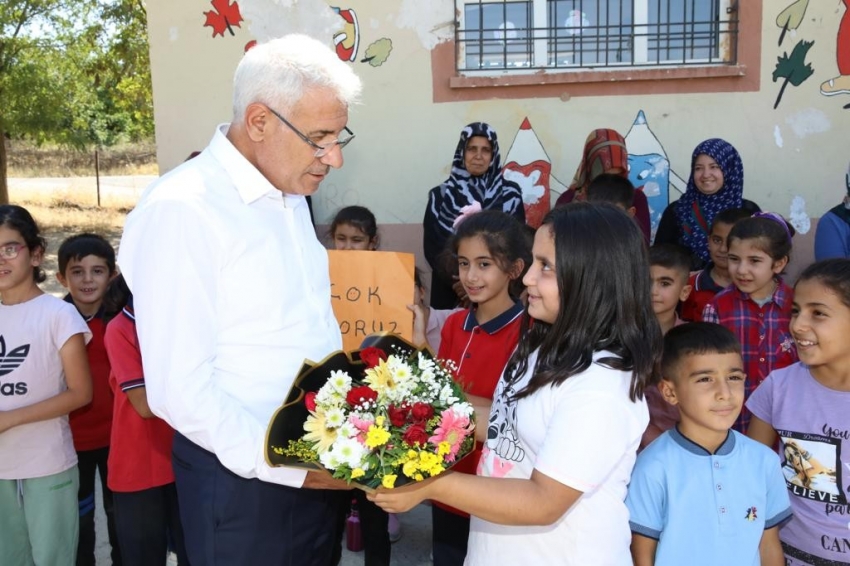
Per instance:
(506,35)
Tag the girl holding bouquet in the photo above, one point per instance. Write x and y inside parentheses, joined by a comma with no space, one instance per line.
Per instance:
(568,412)
(492,253)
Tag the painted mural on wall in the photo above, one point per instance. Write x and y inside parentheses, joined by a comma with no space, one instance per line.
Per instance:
(791,17)
(378,52)
(347,40)
(793,68)
(270,19)
(528,165)
(841,83)
(223,17)
(649,169)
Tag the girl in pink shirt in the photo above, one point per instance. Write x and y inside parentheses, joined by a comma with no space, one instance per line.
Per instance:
(44,375)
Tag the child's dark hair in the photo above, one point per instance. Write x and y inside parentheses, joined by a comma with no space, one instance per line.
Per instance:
(612,188)
(695,338)
(505,239)
(770,231)
(81,245)
(730,216)
(831,273)
(417,278)
(358,216)
(19,219)
(602,270)
(116,297)
(672,257)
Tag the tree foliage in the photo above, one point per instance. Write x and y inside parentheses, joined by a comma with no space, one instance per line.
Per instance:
(73,72)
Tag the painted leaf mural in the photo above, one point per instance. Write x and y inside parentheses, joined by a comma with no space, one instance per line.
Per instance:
(791,17)
(223,17)
(378,53)
(793,68)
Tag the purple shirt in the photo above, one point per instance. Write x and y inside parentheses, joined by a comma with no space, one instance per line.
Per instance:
(813,423)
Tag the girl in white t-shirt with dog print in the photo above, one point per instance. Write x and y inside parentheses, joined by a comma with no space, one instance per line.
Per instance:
(568,413)
(44,375)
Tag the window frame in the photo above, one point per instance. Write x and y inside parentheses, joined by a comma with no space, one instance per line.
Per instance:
(449,85)
(541,32)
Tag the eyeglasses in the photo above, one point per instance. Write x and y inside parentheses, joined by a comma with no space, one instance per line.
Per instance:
(321,150)
(11,251)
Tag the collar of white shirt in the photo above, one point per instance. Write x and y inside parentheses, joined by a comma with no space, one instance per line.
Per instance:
(248,180)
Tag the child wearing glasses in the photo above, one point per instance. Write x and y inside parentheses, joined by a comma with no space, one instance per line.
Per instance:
(44,375)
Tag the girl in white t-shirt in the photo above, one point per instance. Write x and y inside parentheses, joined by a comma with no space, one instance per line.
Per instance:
(44,375)
(568,413)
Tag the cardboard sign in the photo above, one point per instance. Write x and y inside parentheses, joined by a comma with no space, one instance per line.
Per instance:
(370,292)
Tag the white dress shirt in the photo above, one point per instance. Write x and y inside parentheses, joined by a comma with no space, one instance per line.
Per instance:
(232,294)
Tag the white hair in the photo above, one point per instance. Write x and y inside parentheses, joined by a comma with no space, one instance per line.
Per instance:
(279,72)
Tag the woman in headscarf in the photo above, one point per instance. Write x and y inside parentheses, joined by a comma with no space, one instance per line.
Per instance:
(832,236)
(716,184)
(605,152)
(475,184)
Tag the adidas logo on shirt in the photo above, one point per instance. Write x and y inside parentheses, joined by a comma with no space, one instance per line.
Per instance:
(9,362)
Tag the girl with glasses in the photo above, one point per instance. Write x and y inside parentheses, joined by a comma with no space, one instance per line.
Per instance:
(44,375)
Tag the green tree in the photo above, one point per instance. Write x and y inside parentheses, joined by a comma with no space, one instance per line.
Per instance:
(73,72)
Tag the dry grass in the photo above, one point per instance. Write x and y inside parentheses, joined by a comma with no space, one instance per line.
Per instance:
(72,209)
(77,212)
(28,160)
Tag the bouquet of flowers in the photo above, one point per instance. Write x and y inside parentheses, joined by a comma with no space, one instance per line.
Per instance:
(385,415)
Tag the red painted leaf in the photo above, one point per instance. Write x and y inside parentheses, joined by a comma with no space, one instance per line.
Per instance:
(224,16)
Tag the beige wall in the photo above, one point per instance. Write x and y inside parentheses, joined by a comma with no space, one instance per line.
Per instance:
(405,140)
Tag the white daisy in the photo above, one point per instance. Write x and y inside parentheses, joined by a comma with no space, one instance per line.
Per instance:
(334,418)
(349,451)
(330,460)
(340,381)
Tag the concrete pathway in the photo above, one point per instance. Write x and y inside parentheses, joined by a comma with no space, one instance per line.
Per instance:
(414,548)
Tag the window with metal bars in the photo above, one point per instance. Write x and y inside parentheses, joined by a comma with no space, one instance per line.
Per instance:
(517,35)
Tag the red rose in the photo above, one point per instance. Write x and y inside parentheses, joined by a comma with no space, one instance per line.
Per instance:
(372,356)
(397,415)
(416,434)
(422,412)
(359,394)
(310,400)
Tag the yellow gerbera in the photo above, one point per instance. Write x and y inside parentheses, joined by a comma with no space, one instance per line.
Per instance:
(318,432)
(380,378)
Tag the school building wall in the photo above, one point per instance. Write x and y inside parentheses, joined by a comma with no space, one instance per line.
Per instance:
(414,105)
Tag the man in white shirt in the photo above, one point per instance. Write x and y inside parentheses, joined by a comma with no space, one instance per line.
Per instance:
(232,294)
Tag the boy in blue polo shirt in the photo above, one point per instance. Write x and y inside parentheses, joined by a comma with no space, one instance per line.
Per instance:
(702,493)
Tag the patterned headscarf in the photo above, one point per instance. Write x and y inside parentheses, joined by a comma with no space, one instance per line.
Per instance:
(604,150)
(462,189)
(695,211)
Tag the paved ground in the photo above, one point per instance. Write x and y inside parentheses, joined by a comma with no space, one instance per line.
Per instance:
(414,548)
